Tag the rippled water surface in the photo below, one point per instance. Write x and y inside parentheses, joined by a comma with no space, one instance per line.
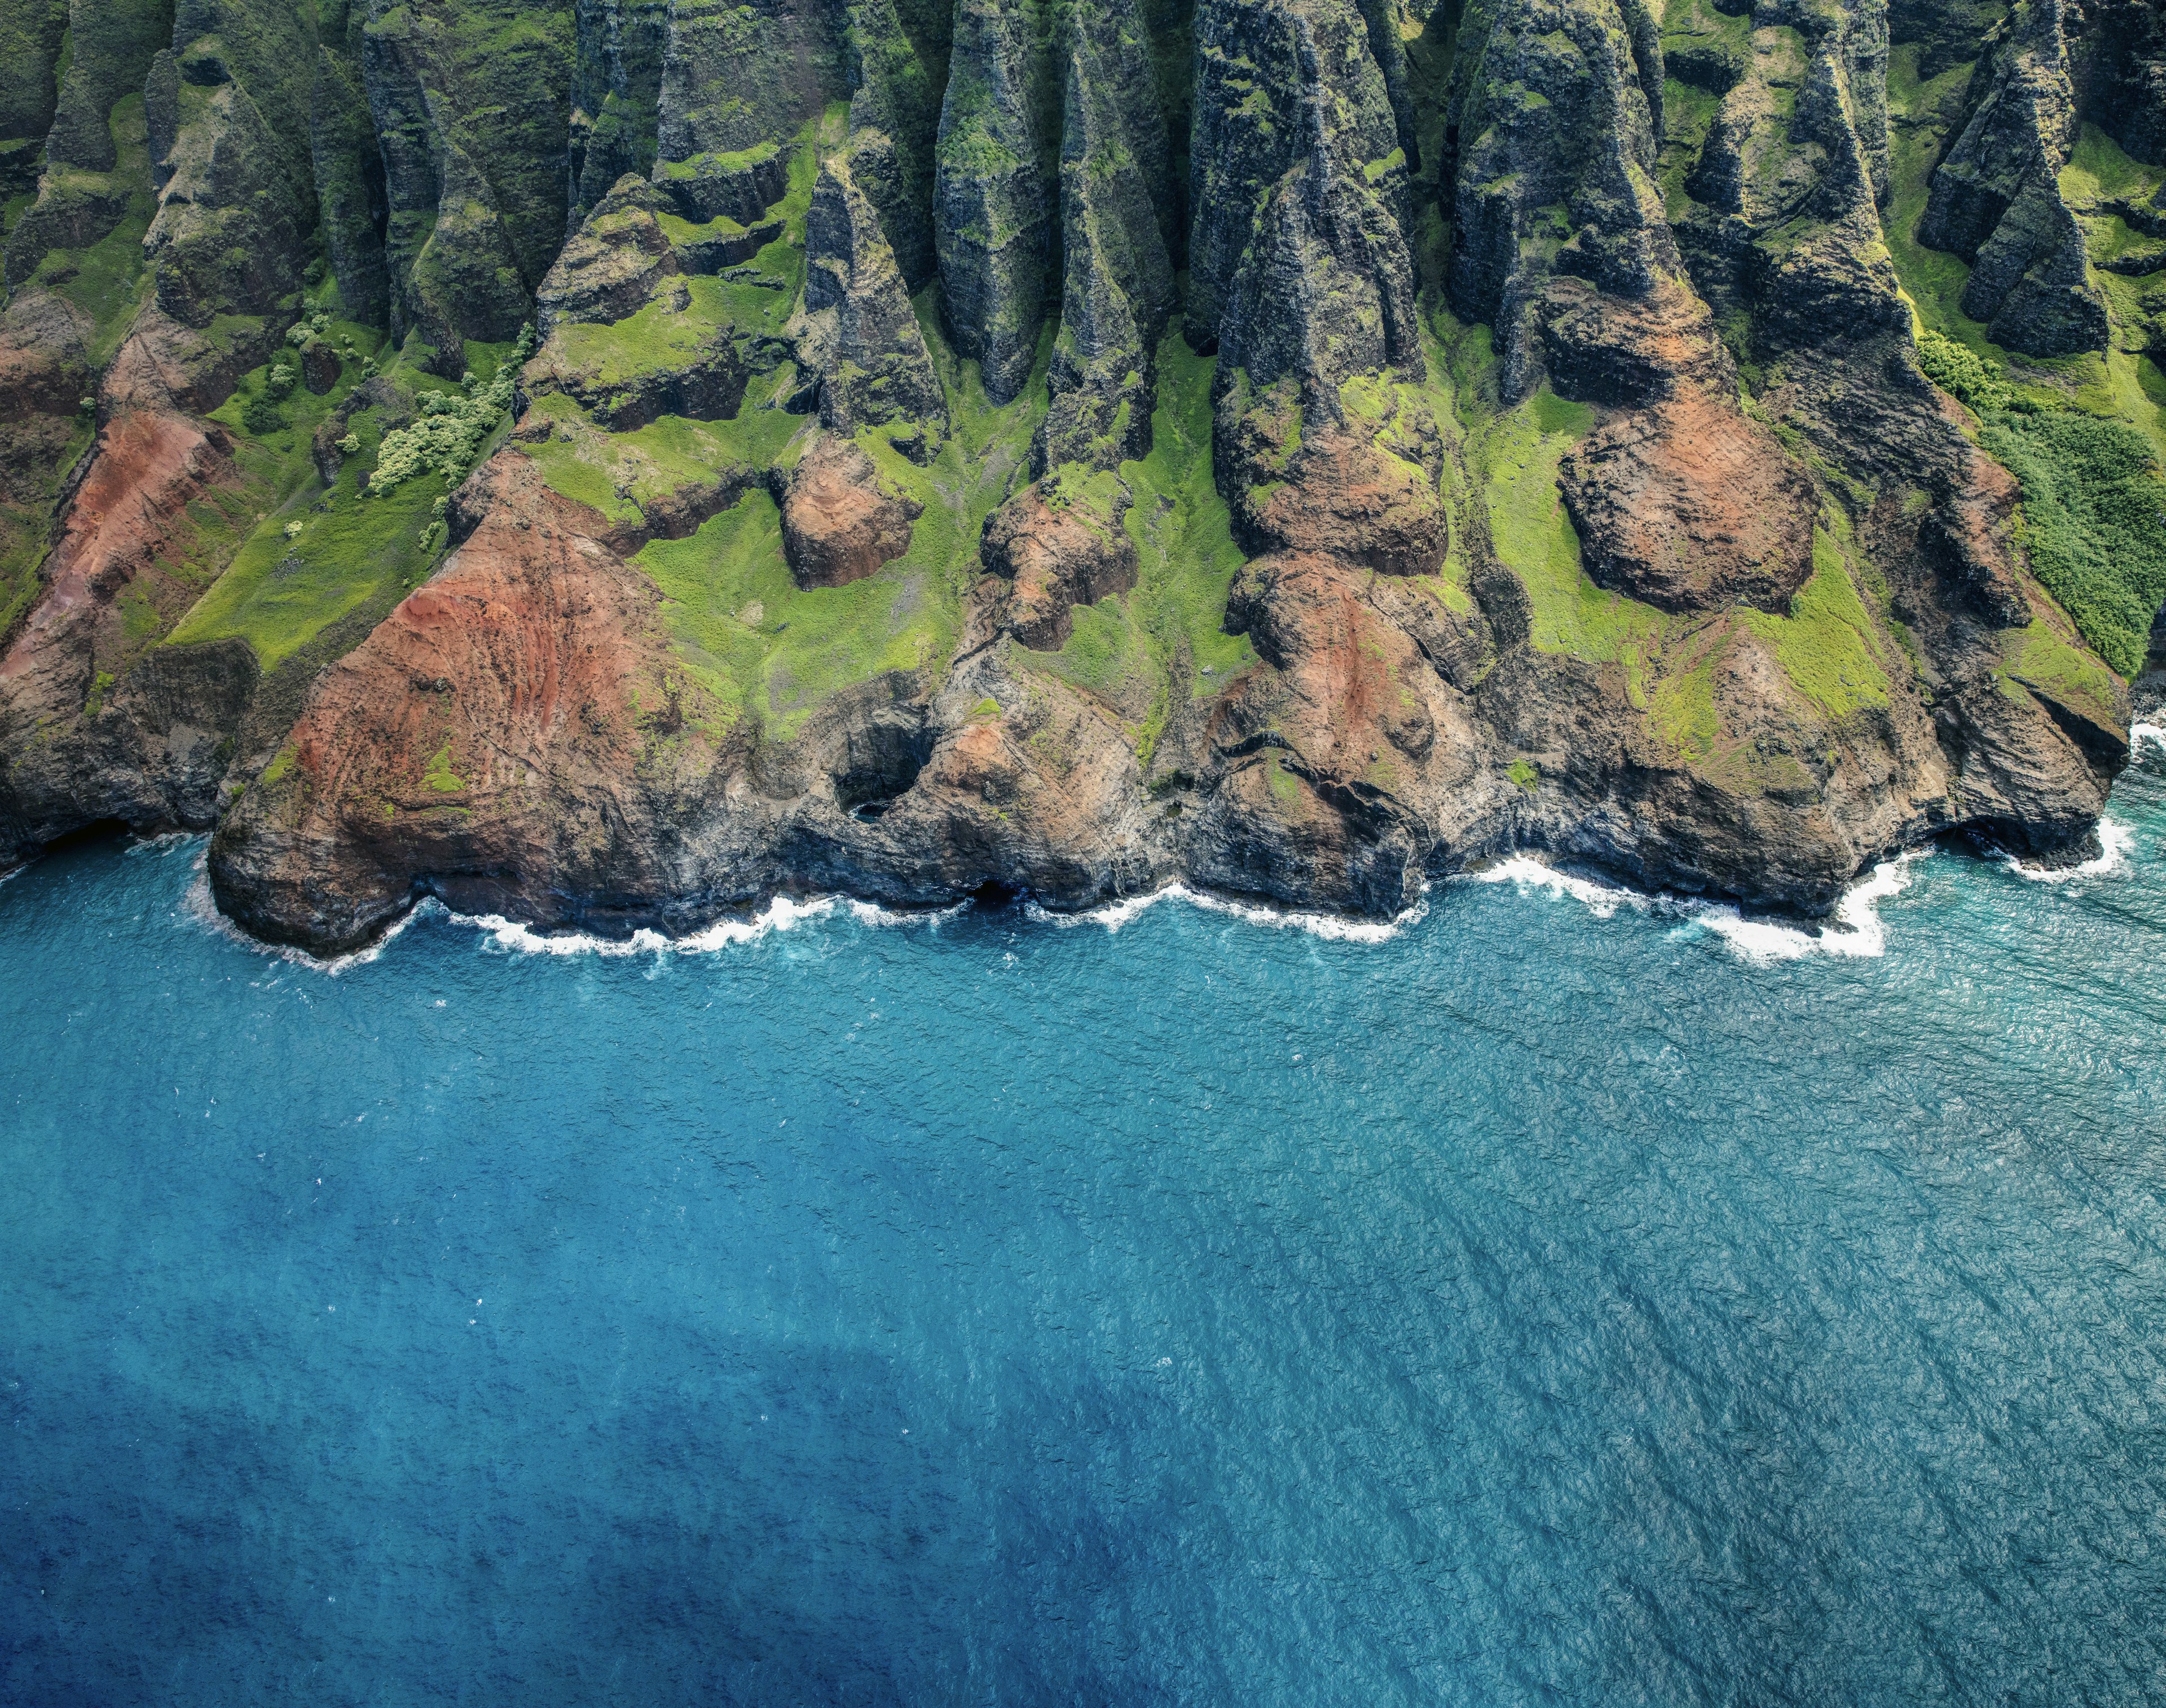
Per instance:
(1563,1299)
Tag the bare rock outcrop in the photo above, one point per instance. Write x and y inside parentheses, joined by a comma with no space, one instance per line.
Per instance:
(861,335)
(1055,557)
(839,524)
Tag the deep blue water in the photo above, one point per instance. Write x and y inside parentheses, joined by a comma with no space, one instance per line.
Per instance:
(1535,1307)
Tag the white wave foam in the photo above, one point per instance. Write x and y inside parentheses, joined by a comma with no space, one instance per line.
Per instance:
(872,913)
(511,937)
(2114,841)
(1333,927)
(1601,900)
(1856,932)
(165,842)
(2139,733)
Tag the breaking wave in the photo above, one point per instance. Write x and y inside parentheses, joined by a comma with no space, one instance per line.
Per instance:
(1856,931)
(2114,841)
(1333,927)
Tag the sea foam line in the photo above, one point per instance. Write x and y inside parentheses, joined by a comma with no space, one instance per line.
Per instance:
(1858,931)
(1333,927)
(511,936)
(2114,841)
(2140,733)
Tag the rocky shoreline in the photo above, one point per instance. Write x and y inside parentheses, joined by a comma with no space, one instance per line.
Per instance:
(1295,448)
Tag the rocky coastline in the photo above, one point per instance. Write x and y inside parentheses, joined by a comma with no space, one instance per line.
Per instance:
(606,463)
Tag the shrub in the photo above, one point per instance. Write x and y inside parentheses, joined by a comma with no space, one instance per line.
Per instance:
(1962,373)
(2095,520)
(446,437)
(262,414)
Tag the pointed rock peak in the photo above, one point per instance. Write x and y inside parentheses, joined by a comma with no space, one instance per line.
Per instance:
(895,115)
(992,229)
(1277,79)
(861,334)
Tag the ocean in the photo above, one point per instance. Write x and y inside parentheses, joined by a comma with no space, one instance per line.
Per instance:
(1560,1295)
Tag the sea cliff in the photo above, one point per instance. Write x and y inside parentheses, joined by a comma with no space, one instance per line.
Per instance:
(604,461)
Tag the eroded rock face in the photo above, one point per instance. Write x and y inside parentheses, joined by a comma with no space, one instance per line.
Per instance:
(1055,557)
(1997,201)
(839,524)
(1680,499)
(1354,488)
(991,229)
(518,774)
(1688,506)
(1728,707)
(78,751)
(472,148)
(895,119)
(863,338)
(45,374)
(1116,208)
(617,85)
(613,263)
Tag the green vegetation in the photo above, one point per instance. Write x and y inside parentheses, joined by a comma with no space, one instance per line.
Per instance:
(2082,434)
(1962,373)
(1131,650)
(1530,532)
(1827,645)
(277,590)
(439,776)
(448,435)
(761,647)
(623,475)
(1187,558)
(2093,522)
(2040,657)
(1932,279)
(106,279)
(1524,776)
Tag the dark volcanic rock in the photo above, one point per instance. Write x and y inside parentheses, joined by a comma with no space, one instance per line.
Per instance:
(1996,197)
(617,85)
(613,263)
(1660,552)
(738,82)
(1681,499)
(862,336)
(1689,506)
(472,121)
(699,375)
(992,195)
(1115,204)
(895,119)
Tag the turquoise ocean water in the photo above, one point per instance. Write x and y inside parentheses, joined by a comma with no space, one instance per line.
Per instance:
(1559,1298)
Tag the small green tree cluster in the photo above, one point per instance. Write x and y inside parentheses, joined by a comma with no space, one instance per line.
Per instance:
(448,435)
(1959,371)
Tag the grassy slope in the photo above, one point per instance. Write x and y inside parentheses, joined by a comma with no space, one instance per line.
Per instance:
(1836,657)
(1133,650)
(764,648)
(279,592)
